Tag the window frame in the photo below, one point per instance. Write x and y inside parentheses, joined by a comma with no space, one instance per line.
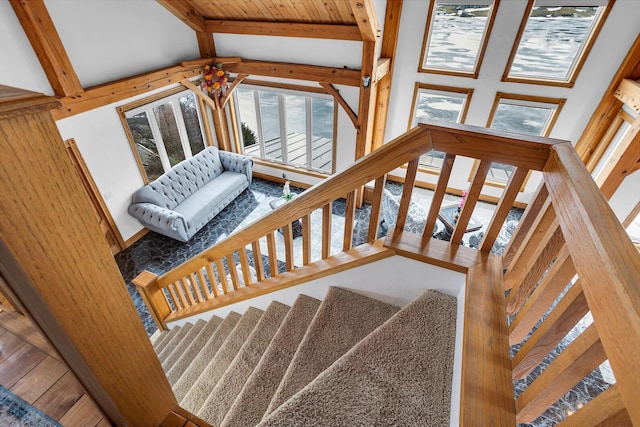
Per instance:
(151,102)
(483,43)
(282,89)
(583,53)
(521,100)
(442,89)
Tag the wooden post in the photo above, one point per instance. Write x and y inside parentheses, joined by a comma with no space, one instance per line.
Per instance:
(56,262)
(153,298)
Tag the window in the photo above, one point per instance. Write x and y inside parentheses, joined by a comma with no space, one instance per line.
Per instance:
(521,114)
(287,126)
(438,103)
(554,40)
(456,36)
(163,131)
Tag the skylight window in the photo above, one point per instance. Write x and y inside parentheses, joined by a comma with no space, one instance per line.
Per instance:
(554,40)
(522,114)
(438,103)
(456,36)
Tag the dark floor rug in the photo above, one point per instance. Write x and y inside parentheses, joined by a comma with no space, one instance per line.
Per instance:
(15,412)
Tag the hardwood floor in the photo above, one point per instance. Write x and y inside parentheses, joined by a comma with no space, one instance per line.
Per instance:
(31,369)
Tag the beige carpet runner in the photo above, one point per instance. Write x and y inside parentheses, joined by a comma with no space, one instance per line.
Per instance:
(348,360)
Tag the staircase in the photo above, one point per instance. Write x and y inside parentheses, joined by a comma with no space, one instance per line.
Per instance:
(346,360)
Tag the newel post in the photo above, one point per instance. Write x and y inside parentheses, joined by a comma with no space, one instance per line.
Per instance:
(153,297)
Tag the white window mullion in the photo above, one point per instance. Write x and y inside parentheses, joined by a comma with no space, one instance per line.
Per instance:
(284,139)
(157,137)
(256,102)
(309,127)
(182,128)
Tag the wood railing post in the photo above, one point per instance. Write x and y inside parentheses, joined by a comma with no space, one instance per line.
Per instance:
(153,297)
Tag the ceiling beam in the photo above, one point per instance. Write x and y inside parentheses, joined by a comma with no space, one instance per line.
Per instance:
(285,29)
(184,11)
(46,43)
(365,15)
(314,73)
(105,94)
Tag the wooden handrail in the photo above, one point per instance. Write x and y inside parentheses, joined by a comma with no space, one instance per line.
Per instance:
(568,230)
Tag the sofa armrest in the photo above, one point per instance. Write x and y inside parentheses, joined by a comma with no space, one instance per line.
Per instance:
(160,219)
(237,163)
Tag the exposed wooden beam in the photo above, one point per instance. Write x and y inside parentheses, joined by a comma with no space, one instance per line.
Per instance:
(206,44)
(285,29)
(382,68)
(384,72)
(629,93)
(225,98)
(367,98)
(46,43)
(609,106)
(183,10)
(313,73)
(334,92)
(101,95)
(365,15)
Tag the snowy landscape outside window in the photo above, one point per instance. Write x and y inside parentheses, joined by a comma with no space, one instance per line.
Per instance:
(285,126)
(555,39)
(456,35)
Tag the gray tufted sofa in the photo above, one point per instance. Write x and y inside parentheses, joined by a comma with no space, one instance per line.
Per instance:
(182,200)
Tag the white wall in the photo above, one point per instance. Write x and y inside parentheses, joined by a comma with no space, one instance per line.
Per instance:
(617,35)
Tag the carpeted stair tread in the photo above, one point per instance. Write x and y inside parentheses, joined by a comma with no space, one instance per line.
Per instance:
(195,368)
(222,396)
(167,337)
(179,347)
(191,352)
(174,342)
(343,319)
(252,402)
(212,373)
(399,375)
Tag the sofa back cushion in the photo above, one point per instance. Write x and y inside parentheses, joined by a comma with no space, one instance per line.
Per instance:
(184,179)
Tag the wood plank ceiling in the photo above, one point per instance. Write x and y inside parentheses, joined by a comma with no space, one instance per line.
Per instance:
(310,11)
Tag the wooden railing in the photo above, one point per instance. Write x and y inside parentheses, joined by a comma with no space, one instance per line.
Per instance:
(567,236)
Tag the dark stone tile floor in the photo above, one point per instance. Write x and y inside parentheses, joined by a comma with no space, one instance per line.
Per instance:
(159,254)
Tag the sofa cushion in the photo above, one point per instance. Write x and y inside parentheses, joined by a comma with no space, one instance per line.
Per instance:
(181,181)
(205,203)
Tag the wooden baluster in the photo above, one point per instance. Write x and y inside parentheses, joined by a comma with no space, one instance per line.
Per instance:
(407,190)
(177,302)
(532,260)
(438,195)
(564,316)
(470,202)
(257,260)
(244,262)
(551,285)
(181,293)
(349,216)
(376,205)
(504,206)
(231,263)
(154,298)
(525,225)
(196,287)
(203,285)
(222,276)
(606,409)
(578,360)
(273,254)
(189,290)
(215,287)
(326,230)
(306,239)
(288,245)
